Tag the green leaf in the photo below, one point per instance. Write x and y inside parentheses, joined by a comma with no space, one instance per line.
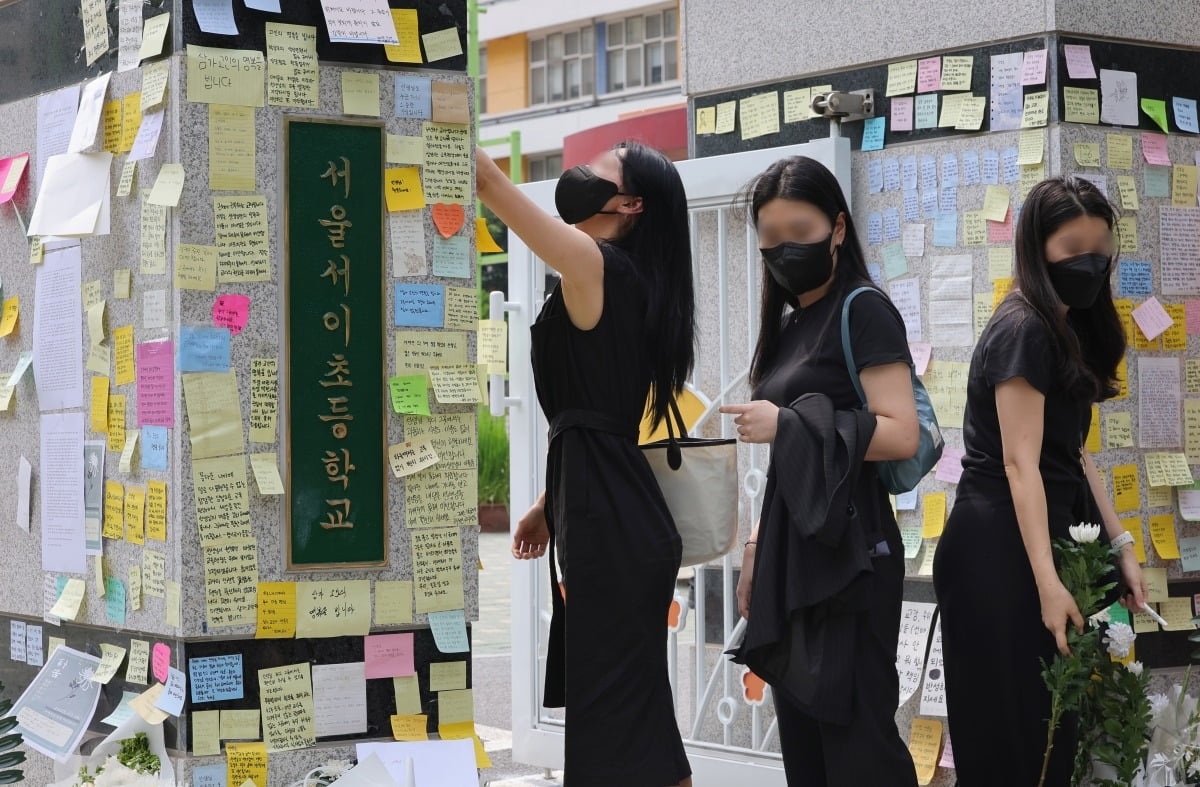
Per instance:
(11,759)
(10,742)
(8,724)
(11,777)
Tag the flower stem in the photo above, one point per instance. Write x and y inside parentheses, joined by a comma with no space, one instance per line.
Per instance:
(1055,715)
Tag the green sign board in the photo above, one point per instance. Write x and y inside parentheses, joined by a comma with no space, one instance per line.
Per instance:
(334,317)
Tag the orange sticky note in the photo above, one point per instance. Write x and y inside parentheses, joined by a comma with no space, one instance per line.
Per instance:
(410,728)
(925,745)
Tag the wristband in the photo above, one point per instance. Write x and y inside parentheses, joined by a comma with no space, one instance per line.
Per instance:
(1123,540)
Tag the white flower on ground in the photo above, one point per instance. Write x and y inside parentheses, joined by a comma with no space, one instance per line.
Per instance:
(1084,533)
(1119,639)
(1135,667)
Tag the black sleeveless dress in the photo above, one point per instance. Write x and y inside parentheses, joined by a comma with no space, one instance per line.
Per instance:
(620,552)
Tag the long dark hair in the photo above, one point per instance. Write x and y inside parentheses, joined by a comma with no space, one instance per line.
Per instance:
(805,180)
(1091,341)
(660,241)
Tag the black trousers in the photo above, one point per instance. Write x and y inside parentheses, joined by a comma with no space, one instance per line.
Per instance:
(867,752)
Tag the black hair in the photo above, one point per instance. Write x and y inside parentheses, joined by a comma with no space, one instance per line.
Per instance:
(660,241)
(801,179)
(1091,341)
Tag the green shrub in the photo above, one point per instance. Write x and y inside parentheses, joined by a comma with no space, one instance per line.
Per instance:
(493,458)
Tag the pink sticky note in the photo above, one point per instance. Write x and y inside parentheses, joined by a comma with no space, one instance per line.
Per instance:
(1033,67)
(156,384)
(1152,318)
(902,113)
(11,170)
(920,355)
(1001,231)
(231,311)
(160,661)
(388,655)
(929,75)
(1079,61)
(947,760)
(1193,316)
(1154,148)
(949,467)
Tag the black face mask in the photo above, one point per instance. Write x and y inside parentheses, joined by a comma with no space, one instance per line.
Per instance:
(581,193)
(800,267)
(1078,279)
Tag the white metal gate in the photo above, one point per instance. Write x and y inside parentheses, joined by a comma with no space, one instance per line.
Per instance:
(729,733)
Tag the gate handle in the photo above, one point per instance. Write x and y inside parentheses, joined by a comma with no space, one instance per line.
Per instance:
(498,403)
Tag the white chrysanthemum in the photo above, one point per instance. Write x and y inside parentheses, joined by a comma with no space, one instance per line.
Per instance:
(1102,617)
(1084,533)
(1135,667)
(1119,638)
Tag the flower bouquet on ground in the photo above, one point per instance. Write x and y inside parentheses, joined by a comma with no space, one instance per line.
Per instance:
(1096,681)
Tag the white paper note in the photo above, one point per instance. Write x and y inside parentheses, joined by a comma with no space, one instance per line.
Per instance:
(61,477)
(933,695)
(58,331)
(87,119)
(1118,97)
(906,297)
(1158,398)
(339,698)
(24,473)
(74,190)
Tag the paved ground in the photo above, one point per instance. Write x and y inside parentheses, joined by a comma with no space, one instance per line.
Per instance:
(492,671)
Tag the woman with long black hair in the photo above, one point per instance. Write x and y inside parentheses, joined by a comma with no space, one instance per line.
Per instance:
(822,575)
(1049,353)
(618,327)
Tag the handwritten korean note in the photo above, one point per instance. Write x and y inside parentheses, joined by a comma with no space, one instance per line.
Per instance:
(276,610)
(292,73)
(359,21)
(231,151)
(242,239)
(230,582)
(437,569)
(225,76)
(447,170)
(264,374)
(333,608)
(287,707)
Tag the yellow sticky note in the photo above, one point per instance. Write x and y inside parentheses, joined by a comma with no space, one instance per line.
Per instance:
(405,150)
(167,186)
(139,662)
(1177,611)
(263,399)
(1183,185)
(9,319)
(759,115)
(135,588)
(153,32)
(408,695)
(1000,262)
(1120,151)
(276,610)
(408,34)
(410,728)
(1030,148)
(393,602)
(1162,533)
(1159,497)
(933,514)
(1143,623)
(952,109)
(286,700)
(135,515)
(1127,493)
(144,704)
(462,731)
(206,732)
(484,241)
(1127,186)
(970,113)
(456,706)
(456,384)
(442,44)
(121,283)
(239,725)
(1087,154)
(1167,469)
(36,250)
(116,422)
(154,84)
(956,72)
(114,509)
(110,122)
(1082,105)
(231,148)
(1119,430)
(403,189)
(1031,175)
(99,405)
(706,120)
(1156,584)
(156,510)
(111,658)
(333,608)
(1175,336)
(902,78)
(1127,232)
(995,203)
(266,473)
(726,116)
(447,675)
(925,745)
(245,761)
(974,228)
(1093,438)
(227,76)
(796,105)
(67,605)
(123,353)
(131,120)
(360,93)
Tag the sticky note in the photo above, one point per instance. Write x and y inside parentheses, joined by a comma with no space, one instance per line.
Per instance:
(456,706)
(266,473)
(1087,154)
(286,700)
(410,457)
(1081,105)
(203,349)
(226,76)
(902,78)
(441,44)
(388,655)
(420,305)
(1156,110)
(276,610)
(167,186)
(933,514)
(239,724)
(449,631)
(245,761)
(873,132)
(956,72)
(1120,151)
(216,678)
(413,97)
(360,94)
(447,676)
(1036,109)
(1162,533)
(465,731)
(393,602)
(408,34)
(333,608)
(410,728)
(1127,494)
(925,745)
(206,733)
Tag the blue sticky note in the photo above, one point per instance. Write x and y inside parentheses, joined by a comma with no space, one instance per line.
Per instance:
(414,97)
(1185,114)
(949,200)
(912,205)
(216,678)
(114,600)
(420,305)
(263,5)
(928,173)
(970,168)
(873,129)
(203,348)
(1012,170)
(891,224)
(891,175)
(874,228)
(926,110)
(1189,553)
(929,203)
(215,16)
(949,169)
(875,271)
(906,501)
(908,173)
(449,631)
(154,447)
(945,230)
(874,173)
(991,168)
(1156,181)
(1134,278)
(209,775)
(894,262)
(451,257)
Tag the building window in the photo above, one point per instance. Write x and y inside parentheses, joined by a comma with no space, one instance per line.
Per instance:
(481,85)
(562,66)
(643,50)
(544,167)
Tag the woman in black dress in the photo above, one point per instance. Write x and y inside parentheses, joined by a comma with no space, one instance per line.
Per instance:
(618,327)
(1050,351)
(812,261)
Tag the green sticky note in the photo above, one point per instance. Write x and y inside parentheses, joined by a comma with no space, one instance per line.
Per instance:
(1157,110)
(1118,614)
(410,394)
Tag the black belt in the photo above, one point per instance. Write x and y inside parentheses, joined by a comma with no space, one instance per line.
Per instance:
(592,420)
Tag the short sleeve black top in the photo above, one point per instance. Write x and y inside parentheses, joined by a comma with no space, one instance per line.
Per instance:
(1017,343)
(810,358)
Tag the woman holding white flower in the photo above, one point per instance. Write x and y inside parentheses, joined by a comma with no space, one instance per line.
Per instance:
(1048,354)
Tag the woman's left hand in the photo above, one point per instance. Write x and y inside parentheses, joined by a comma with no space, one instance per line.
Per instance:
(1131,573)
(756,421)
